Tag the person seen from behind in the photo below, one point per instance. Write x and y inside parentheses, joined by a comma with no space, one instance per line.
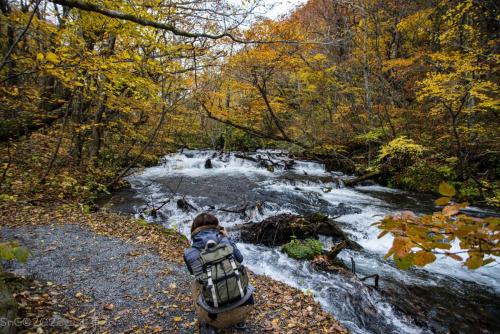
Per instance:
(222,295)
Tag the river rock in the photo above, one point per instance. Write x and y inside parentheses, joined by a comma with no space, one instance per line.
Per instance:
(208,163)
(280,229)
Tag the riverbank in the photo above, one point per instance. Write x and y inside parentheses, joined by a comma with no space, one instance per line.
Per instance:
(105,272)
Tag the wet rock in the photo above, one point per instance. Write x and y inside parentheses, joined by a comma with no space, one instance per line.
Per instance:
(289,164)
(280,229)
(208,163)
(334,164)
(324,263)
(367,183)
(263,164)
(184,205)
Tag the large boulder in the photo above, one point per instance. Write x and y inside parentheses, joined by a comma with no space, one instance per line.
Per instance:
(280,229)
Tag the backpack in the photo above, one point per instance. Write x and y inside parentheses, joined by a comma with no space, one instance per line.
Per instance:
(223,279)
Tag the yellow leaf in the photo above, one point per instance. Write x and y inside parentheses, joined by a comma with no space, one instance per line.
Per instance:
(446,189)
(442,201)
(474,262)
(39,56)
(52,57)
(177,319)
(137,58)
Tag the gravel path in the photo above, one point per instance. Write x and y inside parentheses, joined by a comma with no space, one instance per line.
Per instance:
(122,286)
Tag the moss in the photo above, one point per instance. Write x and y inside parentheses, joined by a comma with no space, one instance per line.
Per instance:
(303,250)
(317,218)
(141,222)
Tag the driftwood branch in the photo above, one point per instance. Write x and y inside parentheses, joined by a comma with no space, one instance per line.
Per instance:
(353,182)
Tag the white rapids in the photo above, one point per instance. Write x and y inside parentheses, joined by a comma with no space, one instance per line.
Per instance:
(232,182)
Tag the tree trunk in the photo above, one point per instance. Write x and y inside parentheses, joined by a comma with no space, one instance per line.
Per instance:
(367,84)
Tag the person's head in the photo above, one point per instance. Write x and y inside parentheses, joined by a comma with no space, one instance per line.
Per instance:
(204,219)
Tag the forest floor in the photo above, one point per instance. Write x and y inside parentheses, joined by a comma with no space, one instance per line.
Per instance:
(108,273)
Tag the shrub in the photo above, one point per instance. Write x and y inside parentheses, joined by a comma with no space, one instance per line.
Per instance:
(423,176)
(303,250)
(399,153)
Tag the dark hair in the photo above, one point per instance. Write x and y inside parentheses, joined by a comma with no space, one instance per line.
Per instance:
(204,219)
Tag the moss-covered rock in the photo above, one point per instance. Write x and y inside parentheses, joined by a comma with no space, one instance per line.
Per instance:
(303,250)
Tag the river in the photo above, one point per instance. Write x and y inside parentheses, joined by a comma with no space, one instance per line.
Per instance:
(444,297)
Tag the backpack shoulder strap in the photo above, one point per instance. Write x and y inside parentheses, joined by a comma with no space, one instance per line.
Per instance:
(211,286)
(237,273)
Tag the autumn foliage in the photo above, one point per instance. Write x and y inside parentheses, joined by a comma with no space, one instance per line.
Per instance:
(450,233)
(405,90)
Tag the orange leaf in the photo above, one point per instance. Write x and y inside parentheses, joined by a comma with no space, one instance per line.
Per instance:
(423,257)
(402,246)
(451,210)
(455,256)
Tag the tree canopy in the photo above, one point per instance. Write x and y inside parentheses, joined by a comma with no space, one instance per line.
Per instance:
(404,90)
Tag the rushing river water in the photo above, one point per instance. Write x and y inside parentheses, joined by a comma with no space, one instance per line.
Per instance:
(444,297)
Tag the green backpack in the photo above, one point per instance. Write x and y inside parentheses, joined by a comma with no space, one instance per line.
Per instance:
(223,279)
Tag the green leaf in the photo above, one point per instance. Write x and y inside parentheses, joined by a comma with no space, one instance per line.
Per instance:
(21,253)
(404,263)
(6,252)
(446,189)
(488,261)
